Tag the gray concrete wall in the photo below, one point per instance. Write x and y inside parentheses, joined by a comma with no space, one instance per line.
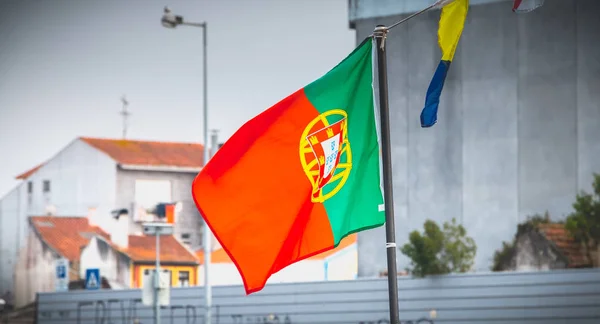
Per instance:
(189,220)
(553,297)
(519,122)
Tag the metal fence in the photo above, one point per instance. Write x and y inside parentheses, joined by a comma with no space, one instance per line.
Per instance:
(569,296)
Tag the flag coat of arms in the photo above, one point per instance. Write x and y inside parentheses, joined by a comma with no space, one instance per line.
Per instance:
(299,177)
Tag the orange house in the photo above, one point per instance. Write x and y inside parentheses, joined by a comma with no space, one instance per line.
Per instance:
(174,257)
(121,258)
(126,257)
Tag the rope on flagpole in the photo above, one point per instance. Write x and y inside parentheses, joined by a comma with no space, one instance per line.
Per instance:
(437,4)
(411,16)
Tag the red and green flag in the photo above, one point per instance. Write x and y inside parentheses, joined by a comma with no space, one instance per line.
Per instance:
(296,179)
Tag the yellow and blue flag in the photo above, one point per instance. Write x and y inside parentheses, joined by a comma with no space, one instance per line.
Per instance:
(452,21)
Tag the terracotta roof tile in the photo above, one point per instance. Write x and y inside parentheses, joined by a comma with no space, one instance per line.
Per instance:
(66,235)
(143,153)
(29,172)
(150,153)
(572,250)
(220,256)
(142,249)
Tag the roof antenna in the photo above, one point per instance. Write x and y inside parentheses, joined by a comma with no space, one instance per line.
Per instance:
(125,114)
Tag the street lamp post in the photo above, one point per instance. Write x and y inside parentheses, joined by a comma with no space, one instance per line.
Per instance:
(169,20)
(157,229)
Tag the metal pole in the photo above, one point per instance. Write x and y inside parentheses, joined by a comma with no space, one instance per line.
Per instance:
(206,229)
(2,260)
(380,34)
(157,279)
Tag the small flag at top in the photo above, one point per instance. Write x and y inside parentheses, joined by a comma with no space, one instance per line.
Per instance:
(452,21)
(524,6)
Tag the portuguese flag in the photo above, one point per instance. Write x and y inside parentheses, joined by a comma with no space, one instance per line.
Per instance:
(296,179)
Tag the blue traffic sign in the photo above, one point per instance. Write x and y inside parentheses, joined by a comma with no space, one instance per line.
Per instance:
(61,271)
(62,275)
(92,279)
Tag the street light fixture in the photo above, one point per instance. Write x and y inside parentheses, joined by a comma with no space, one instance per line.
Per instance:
(171,21)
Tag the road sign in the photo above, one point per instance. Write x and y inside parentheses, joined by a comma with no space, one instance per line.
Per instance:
(157,228)
(92,279)
(148,288)
(61,280)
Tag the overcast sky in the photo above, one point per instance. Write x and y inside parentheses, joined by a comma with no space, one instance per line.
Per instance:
(64,65)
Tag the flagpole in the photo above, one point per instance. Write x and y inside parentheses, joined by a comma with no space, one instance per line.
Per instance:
(380,34)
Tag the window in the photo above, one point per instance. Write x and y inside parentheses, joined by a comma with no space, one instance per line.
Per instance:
(46,186)
(186,238)
(29,192)
(184,278)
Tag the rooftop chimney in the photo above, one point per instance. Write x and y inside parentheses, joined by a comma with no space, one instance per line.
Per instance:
(92,216)
(120,231)
(50,210)
(214,142)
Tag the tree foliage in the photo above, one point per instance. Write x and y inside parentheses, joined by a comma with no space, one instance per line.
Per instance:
(584,222)
(439,250)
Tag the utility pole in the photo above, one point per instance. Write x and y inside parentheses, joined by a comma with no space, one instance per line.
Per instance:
(2,256)
(169,20)
(158,229)
(124,113)
(157,282)
(214,142)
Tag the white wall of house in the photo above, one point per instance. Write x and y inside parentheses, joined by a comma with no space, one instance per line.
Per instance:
(13,229)
(189,221)
(307,270)
(80,177)
(342,265)
(221,274)
(112,265)
(34,271)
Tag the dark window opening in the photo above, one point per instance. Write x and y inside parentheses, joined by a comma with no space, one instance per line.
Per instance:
(184,278)
(46,186)
(186,238)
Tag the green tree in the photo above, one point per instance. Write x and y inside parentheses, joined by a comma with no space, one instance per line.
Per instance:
(439,250)
(584,222)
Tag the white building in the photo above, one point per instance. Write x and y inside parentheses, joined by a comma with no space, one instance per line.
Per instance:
(340,263)
(120,258)
(102,174)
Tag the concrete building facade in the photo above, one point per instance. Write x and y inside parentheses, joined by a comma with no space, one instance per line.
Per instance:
(518,131)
